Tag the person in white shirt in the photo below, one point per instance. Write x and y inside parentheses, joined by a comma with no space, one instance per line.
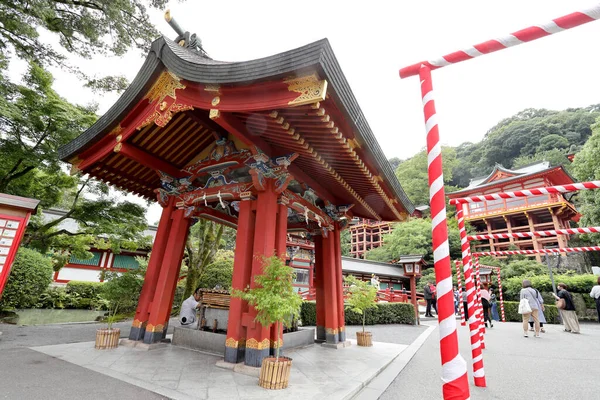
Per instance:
(595,294)
(187,315)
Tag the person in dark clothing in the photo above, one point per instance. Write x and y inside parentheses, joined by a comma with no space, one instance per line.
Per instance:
(428,295)
(564,302)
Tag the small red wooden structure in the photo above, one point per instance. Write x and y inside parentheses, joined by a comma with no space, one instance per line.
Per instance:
(14,216)
(270,147)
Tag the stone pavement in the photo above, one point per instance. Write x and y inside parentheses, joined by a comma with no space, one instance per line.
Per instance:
(179,373)
(558,365)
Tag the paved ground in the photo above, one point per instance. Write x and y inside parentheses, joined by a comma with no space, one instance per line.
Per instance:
(33,375)
(558,365)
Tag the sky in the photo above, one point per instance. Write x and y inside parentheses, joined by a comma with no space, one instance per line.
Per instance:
(373,40)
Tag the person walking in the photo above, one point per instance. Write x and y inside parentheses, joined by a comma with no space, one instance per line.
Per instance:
(541,315)
(428,295)
(485,304)
(456,300)
(494,303)
(434,297)
(465,300)
(564,301)
(595,294)
(530,294)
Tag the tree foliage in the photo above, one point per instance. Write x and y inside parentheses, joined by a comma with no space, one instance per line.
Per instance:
(528,136)
(31,273)
(34,122)
(273,295)
(413,237)
(83,28)
(586,167)
(202,245)
(219,272)
(412,174)
(361,296)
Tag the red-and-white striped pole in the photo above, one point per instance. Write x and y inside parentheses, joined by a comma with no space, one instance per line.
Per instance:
(479,305)
(454,367)
(570,231)
(476,353)
(539,251)
(524,35)
(500,294)
(461,308)
(574,187)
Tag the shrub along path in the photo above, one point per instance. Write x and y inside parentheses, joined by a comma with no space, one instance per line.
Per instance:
(558,365)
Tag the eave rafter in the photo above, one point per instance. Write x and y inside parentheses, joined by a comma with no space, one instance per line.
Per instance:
(350,145)
(291,132)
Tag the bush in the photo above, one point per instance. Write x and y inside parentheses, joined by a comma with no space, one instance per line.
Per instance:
(511,312)
(30,276)
(385,313)
(84,295)
(54,297)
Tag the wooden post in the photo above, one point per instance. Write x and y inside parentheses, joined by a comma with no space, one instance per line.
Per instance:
(258,336)
(138,327)
(235,345)
(169,272)
(320,286)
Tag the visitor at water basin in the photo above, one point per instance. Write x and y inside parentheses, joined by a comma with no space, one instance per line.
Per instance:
(187,315)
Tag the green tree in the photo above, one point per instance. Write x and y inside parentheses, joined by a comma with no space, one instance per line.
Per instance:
(219,272)
(412,174)
(586,167)
(202,245)
(273,295)
(345,242)
(31,273)
(34,122)
(122,291)
(82,28)
(555,157)
(361,296)
(553,141)
(413,237)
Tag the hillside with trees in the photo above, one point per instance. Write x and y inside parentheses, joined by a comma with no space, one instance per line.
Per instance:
(529,136)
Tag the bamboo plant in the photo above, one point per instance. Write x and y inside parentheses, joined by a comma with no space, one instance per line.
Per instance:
(273,295)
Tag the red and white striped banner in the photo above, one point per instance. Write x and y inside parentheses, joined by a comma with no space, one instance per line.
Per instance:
(476,353)
(540,251)
(461,307)
(570,231)
(524,35)
(454,367)
(479,304)
(574,187)
(500,294)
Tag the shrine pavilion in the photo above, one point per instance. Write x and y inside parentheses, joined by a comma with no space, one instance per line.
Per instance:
(271,146)
(525,214)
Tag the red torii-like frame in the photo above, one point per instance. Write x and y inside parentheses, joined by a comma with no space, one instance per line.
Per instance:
(454,373)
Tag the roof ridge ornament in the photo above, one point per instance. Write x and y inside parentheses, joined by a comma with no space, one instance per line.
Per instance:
(185,38)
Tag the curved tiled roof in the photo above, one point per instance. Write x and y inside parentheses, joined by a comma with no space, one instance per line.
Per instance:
(188,65)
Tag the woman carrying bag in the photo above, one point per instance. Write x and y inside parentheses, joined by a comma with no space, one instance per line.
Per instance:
(529,307)
(564,302)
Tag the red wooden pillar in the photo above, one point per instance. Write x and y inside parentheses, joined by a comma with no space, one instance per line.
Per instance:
(258,337)
(235,345)
(138,327)
(340,283)
(280,250)
(169,272)
(319,287)
(331,291)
